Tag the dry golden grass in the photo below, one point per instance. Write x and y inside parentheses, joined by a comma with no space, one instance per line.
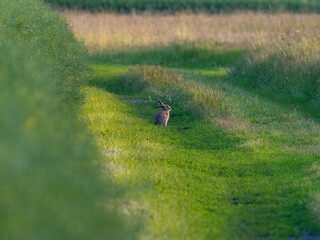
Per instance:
(105,31)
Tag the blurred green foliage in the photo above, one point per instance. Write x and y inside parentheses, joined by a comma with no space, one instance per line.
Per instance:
(212,6)
(41,31)
(51,184)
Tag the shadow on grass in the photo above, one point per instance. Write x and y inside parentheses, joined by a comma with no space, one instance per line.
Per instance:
(187,128)
(183,56)
(284,99)
(282,77)
(259,198)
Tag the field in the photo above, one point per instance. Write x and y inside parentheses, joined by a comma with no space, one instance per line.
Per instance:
(81,158)
(103,32)
(170,6)
(240,156)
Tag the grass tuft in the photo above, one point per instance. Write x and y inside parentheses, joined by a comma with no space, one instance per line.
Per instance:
(173,88)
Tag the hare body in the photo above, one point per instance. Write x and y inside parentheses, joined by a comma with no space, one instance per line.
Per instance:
(162,117)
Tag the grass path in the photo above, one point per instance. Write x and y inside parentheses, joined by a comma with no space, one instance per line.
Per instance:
(243,174)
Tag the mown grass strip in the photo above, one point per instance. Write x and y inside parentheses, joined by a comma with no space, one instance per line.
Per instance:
(198,180)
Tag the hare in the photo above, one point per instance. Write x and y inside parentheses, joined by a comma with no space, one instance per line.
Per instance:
(163,116)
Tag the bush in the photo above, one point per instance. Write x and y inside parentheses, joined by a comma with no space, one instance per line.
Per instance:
(50,182)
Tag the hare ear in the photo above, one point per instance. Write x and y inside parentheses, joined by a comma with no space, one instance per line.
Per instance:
(160,104)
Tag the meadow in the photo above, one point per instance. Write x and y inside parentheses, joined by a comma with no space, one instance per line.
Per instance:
(240,156)
(81,158)
(103,32)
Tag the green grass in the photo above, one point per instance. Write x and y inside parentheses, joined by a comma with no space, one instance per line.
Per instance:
(45,33)
(288,73)
(212,6)
(188,55)
(238,160)
(232,164)
(51,183)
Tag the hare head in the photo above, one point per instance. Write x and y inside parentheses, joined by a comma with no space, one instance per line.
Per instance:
(165,107)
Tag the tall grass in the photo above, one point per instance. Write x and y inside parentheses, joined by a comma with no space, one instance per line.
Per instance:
(113,32)
(290,66)
(50,183)
(174,88)
(212,6)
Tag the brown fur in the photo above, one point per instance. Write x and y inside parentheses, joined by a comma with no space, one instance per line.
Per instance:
(162,116)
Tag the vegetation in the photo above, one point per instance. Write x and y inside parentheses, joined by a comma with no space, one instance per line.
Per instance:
(239,158)
(111,34)
(227,166)
(289,67)
(212,6)
(50,170)
(25,23)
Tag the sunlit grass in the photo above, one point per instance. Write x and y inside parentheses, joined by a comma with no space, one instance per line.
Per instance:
(237,160)
(199,177)
(107,31)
